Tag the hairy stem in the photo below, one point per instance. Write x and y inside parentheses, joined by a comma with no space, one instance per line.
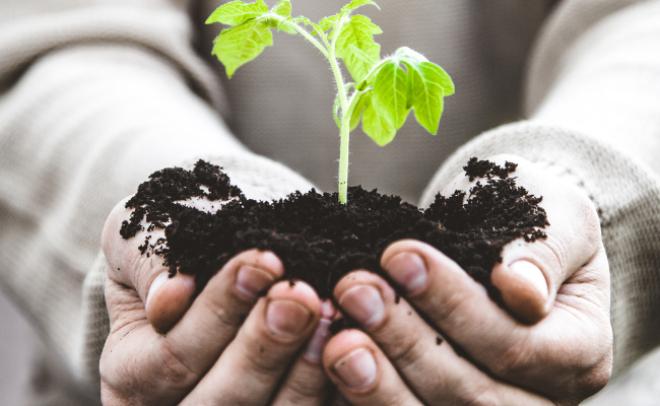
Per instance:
(344,132)
(301,31)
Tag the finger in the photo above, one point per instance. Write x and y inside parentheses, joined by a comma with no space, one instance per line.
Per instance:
(414,348)
(218,312)
(570,343)
(531,273)
(356,357)
(132,264)
(363,374)
(453,302)
(306,383)
(173,363)
(429,365)
(168,300)
(251,271)
(251,367)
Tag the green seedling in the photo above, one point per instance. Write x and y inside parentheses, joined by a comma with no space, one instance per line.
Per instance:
(383,91)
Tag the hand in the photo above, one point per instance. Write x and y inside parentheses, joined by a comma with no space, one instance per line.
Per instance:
(164,349)
(447,342)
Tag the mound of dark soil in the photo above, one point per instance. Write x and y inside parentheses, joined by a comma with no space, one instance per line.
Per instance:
(320,240)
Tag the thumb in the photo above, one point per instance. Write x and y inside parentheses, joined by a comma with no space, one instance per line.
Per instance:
(524,289)
(142,281)
(532,273)
(168,299)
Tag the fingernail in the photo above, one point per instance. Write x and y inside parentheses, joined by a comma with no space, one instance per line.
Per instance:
(364,304)
(408,270)
(357,370)
(328,311)
(155,285)
(250,281)
(287,319)
(532,274)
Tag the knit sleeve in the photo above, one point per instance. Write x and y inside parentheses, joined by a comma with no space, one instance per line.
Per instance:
(593,101)
(93,98)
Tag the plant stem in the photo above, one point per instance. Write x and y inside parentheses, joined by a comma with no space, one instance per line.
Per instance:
(344,132)
(301,31)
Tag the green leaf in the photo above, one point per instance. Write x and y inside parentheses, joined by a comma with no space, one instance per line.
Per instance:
(355,45)
(303,19)
(328,23)
(445,80)
(390,94)
(364,99)
(414,58)
(358,3)
(237,12)
(281,25)
(307,21)
(440,77)
(425,94)
(361,55)
(283,8)
(406,54)
(375,125)
(241,44)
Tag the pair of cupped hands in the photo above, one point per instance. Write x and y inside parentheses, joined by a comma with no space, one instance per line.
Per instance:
(444,342)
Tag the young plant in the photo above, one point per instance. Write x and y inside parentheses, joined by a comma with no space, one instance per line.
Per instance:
(383,91)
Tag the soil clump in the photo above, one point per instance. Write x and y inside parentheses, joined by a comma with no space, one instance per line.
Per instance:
(320,240)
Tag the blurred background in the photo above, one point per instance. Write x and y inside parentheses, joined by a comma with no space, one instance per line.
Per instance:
(17,345)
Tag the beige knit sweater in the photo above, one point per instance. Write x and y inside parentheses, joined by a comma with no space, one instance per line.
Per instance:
(95,95)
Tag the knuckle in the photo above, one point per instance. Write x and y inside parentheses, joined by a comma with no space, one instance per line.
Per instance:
(264,365)
(600,378)
(227,316)
(172,369)
(596,379)
(139,272)
(511,362)
(111,374)
(110,397)
(559,252)
(483,396)
(405,350)
(303,390)
(449,306)
(227,311)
